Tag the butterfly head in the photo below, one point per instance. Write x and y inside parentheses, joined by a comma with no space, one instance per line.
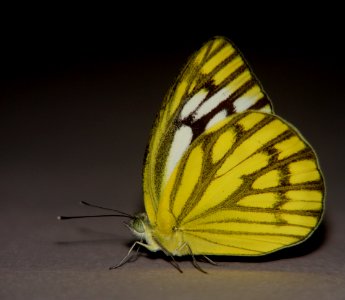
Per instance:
(139,225)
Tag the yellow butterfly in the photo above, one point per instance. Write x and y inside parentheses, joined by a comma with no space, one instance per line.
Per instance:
(223,175)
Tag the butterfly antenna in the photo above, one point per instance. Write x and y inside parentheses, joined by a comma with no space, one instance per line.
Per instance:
(106,208)
(91,216)
(118,213)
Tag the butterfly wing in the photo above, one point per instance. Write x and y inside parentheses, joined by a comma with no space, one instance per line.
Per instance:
(249,185)
(215,83)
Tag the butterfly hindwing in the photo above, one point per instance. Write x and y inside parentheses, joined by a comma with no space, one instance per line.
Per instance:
(249,185)
(215,83)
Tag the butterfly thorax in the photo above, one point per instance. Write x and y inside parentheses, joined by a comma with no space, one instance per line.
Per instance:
(163,236)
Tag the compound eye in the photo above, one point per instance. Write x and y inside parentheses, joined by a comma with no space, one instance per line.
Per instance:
(138,226)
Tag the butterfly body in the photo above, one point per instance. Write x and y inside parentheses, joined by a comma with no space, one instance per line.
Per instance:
(223,175)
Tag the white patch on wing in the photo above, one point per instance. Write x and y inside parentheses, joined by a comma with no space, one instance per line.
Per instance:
(182,139)
(212,102)
(266,109)
(192,104)
(216,118)
(244,102)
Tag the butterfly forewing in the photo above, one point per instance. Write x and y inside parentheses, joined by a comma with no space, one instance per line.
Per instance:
(215,83)
(249,185)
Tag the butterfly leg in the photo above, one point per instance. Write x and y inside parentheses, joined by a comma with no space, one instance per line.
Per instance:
(195,263)
(175,264)
(210,260)
(125,259)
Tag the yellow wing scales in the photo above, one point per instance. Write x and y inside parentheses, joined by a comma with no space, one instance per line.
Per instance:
(215,83)
(263,190)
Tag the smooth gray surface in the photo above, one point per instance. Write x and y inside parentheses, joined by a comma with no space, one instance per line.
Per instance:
(79,133)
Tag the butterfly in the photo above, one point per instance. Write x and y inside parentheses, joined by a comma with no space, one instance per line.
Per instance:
(223,175)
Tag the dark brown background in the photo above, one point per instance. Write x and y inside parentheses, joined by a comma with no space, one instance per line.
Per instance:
(78,98)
